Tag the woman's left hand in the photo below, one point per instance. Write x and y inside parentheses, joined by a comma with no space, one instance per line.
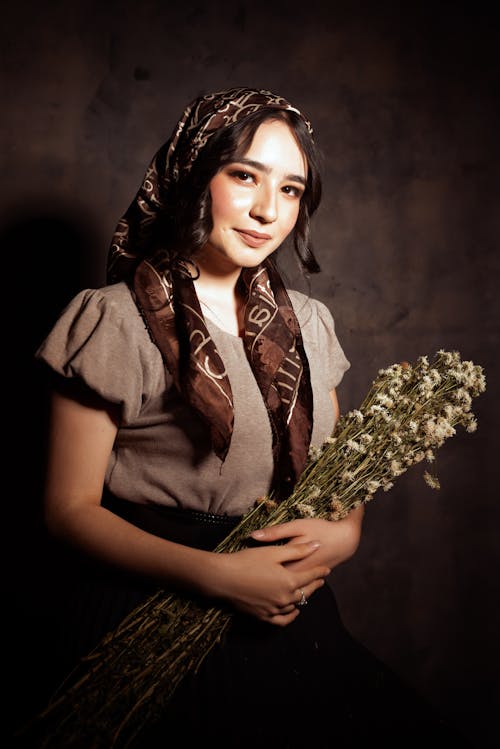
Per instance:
(339,538)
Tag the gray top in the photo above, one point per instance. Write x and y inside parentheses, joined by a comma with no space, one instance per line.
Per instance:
(162,451)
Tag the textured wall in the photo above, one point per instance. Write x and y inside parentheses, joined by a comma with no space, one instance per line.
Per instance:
(405,104)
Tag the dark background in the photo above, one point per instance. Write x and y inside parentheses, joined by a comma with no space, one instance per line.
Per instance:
(404,98)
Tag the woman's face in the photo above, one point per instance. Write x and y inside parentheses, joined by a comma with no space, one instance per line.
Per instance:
(255,201)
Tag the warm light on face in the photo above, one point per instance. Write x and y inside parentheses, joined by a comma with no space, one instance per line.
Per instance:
(256,200)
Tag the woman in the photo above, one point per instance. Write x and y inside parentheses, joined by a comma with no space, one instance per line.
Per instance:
(192,384)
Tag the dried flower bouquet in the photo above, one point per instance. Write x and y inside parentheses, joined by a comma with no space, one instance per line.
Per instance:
(407,415)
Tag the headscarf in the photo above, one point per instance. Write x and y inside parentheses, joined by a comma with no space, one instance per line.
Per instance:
(169,305)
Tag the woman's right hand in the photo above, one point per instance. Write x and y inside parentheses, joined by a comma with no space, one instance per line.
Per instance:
(257,581)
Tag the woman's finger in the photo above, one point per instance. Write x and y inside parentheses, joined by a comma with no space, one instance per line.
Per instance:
(275,532)
(303,594)
(286,614)
(281,620)
(295,551)
(300,597)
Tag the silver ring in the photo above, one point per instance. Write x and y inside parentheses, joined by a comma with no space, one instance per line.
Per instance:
(303,599)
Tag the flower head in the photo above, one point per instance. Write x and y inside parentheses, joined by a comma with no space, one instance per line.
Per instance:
(431,481)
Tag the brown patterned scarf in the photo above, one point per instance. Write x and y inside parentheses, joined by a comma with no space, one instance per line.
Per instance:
(168,302)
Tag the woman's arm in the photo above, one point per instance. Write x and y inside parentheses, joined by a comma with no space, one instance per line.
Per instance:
(339,540)
(81,436)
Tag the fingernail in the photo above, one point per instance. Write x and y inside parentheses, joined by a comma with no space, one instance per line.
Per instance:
(315,544)
(257,534)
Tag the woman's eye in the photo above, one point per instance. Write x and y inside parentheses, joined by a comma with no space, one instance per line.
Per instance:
(242,176)
(294,192)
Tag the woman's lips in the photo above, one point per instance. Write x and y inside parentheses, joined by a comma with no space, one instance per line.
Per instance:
(253,238)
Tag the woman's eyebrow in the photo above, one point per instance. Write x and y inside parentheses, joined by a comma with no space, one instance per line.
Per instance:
(267,169)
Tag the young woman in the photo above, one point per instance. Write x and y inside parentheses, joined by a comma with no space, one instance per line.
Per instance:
(189,386)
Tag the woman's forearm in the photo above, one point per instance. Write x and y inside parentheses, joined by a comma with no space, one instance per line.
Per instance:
(101,535)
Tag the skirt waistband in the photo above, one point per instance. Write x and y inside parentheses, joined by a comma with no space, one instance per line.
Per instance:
(203,530)
(197,516)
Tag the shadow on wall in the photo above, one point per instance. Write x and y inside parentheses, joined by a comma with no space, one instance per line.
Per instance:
(47,255)
(45,263)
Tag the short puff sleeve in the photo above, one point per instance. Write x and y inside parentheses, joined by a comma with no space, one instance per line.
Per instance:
(318,330)
(100,339)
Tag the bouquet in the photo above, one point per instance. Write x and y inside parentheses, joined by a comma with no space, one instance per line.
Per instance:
(122,685)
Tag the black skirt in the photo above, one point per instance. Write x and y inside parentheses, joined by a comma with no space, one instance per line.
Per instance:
(309,683)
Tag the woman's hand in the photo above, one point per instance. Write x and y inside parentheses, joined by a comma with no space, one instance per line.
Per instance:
(263,582)
(338,539)
(268,582)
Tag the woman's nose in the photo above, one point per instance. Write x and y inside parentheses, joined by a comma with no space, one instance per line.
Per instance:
(265,205)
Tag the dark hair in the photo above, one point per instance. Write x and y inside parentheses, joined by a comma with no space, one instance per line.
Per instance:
(187,228)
